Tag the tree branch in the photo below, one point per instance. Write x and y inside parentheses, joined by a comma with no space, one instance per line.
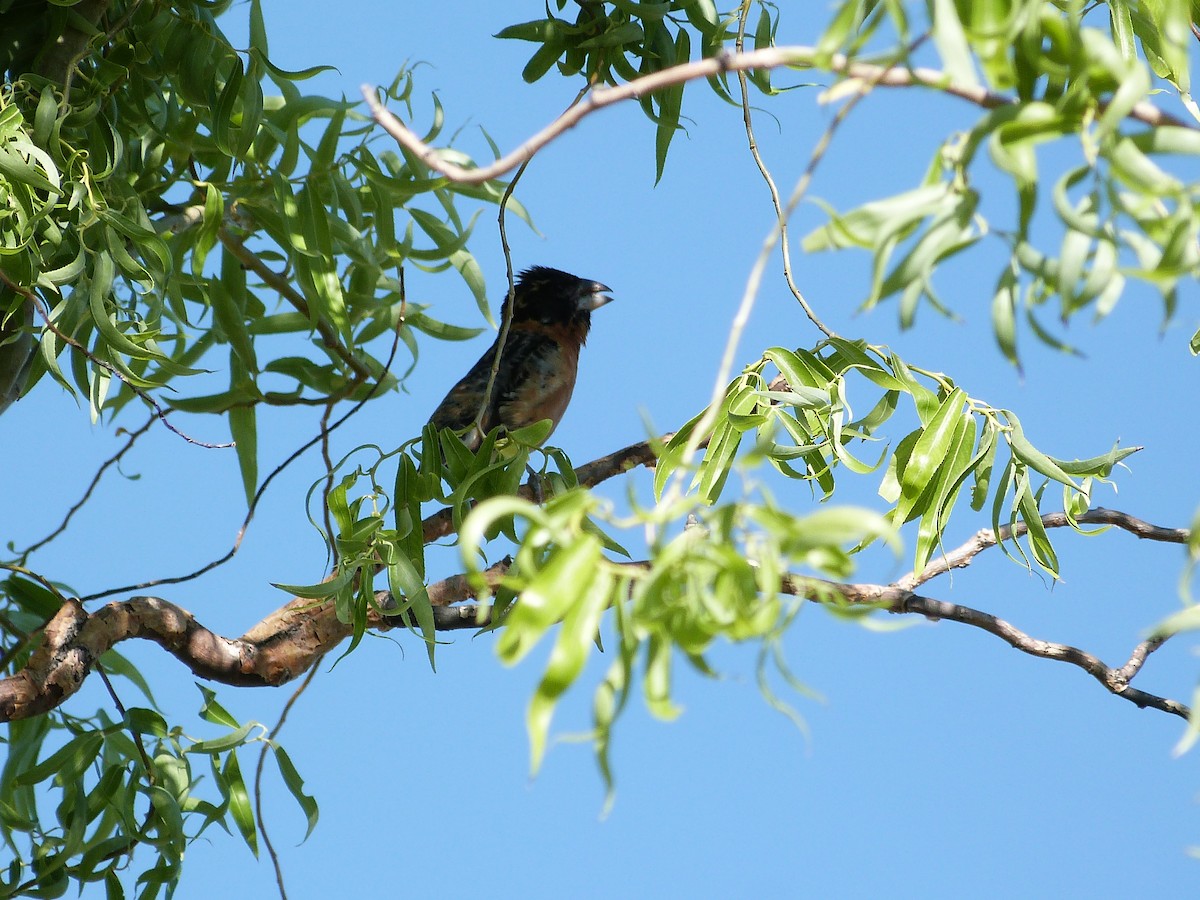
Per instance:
(1115,680)
(441,523)
(329,337)
(292,639)
(800,57)
(963,556)
(281,647)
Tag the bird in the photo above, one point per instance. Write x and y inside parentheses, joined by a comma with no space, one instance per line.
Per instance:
(551,316)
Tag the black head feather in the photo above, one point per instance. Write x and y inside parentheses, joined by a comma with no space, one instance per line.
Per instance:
(553,297)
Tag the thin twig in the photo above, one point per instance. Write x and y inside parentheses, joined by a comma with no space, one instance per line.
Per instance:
(280,284)
(262,758)
(700,433)
(237,542)
(784,245)
(507,309)
(766,58)
(108,463)
(106,366)
(1112,679)
(984,538)
(137,738)
(1138,658)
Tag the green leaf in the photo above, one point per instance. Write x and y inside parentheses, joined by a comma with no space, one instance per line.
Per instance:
(543,58)
(1039,541)
(571,650)
(624,33)
(670,99)
(244,430)
(146,721)
(872,223)
(549,594)
(409,592)
(226,742)
(538,31)
(718,461)
(1122,28)
(295,785)
(212,711)
(1030,455)
(928,454)
(1004,310)
(952,45)
(239,802)
(69,761)
(656,686)
(1099,466)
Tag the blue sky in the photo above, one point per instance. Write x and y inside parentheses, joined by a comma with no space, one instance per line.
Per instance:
(939,762)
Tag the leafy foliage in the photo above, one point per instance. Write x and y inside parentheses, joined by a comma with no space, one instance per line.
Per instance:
(1081,89)
(621,41)
(120,785)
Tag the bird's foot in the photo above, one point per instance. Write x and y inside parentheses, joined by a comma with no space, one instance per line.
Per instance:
(535,485)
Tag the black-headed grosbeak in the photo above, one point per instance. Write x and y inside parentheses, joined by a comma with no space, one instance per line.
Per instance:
(551,316)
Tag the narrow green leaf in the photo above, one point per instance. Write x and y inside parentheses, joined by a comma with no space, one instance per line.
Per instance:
(69,761)
(1039,541)
(670,99)
(928,453)
(571,650)
(239,803)
(212,711)
(541,61)
(657,681)
(952,45)
(1004,309)
(408,590)
(549,594)
(226,742)
(1030,455)
(243,428)
(295,785)
(1122,28)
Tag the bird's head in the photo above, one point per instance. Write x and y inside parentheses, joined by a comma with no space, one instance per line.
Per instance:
(553,297)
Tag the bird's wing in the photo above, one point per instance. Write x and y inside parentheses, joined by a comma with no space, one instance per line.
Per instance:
(534,382)
(460,406)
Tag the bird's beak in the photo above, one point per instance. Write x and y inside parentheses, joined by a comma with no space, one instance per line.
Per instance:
(595,296)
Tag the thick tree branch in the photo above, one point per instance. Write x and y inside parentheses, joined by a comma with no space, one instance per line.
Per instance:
(64,51)
(769,58)
(292,639)
(281,647)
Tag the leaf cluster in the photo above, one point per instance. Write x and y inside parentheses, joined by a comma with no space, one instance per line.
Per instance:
(613,42)
(163,211)
(1121,210)
(116,785)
